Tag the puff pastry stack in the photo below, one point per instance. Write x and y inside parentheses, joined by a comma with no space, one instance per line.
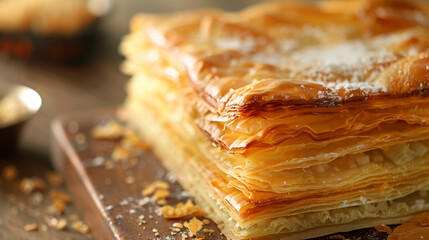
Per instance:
(288,119)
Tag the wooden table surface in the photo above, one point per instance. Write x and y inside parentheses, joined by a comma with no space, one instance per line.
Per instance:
(96,83)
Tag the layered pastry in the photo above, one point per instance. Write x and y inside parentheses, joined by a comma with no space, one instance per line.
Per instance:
(45,28)
(288,120)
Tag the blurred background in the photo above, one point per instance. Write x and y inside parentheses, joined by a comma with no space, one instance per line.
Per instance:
(115,24)
(68,52)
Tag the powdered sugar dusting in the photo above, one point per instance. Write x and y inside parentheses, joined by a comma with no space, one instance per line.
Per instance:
(242,45)
(349,64)
(342,55)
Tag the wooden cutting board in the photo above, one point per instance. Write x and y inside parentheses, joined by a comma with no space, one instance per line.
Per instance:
(108,197)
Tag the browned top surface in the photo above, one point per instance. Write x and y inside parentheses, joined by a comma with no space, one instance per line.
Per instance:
(294,53)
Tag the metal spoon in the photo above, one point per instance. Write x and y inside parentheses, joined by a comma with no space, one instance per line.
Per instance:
(17,105)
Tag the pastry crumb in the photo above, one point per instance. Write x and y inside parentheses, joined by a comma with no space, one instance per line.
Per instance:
(120,154)
(177,225)
(130,180)
(30,185)
(54,179)
(208,230)
(155,231)
(383,228)
(58,224)
(58,207)
(62,224)
(160,194)
(161,202)
(194,225)
(109,130)
(10,173)
(157,185)
(60,196)
(140,220)
(181,210)
(80,227)
(148,190)
(144,201)
(30,227)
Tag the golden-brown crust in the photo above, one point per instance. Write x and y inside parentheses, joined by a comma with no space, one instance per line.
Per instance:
(320,114)
(215,47)
(280,61)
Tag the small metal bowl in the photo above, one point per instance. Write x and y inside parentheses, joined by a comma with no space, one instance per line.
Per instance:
(17,105)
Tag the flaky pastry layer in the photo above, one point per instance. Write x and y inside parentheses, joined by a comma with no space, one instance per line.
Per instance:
(352,180)
(207,185)
(288,116)
(249,110)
